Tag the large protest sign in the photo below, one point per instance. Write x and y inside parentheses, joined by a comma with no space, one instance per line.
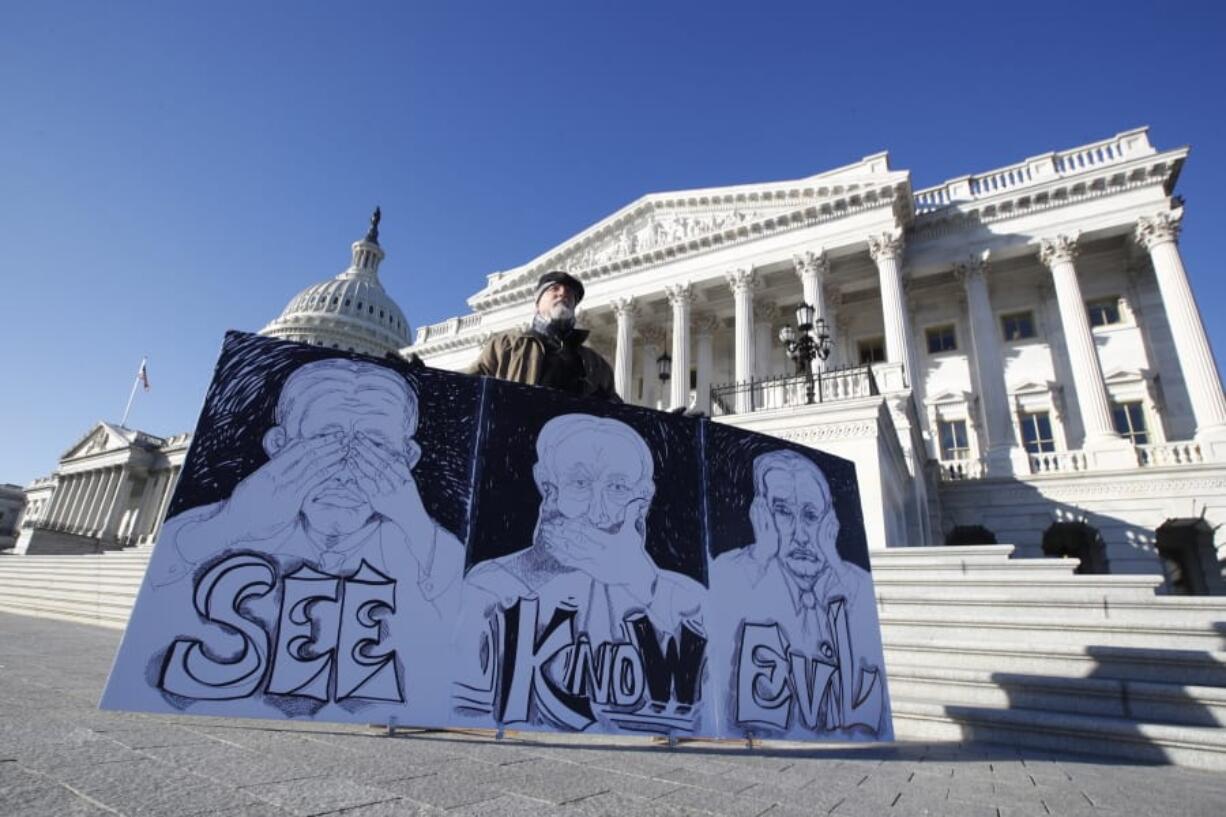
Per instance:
(355,540)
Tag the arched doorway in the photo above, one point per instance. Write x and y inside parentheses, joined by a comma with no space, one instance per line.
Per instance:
(1189,563)
(970,535)
(1076,540)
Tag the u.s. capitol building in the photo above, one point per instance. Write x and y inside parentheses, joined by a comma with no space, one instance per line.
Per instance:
(1014,356)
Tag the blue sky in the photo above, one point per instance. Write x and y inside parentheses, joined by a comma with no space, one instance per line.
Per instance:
(170,170)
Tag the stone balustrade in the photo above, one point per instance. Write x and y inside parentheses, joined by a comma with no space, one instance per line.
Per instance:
(1059,462)
(1177,453)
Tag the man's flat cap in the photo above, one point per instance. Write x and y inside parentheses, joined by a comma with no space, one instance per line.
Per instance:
(558,277)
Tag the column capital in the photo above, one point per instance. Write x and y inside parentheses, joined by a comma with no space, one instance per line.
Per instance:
(883,246)
(680,294)
(625,306)
(1159,228)
(707,325)
(765,312)
(1058,249)
(653,335)
(811,263)
(833,295)
(742,279)
(976,266)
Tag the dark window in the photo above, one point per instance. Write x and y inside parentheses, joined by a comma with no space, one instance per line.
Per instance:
(872,351)
(1130,422)
(372,310)
(693,378)
(953,439)
(942,339)
(970,535)
(346,302)
(1018,325)
(1104,311)
(1076,540)
(1036,433)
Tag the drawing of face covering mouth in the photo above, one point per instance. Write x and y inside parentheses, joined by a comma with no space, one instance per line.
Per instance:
(805,555)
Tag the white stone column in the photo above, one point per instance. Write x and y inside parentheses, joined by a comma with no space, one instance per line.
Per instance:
(743,282)
(1107,448)
(1159,234)
(1002,456)
(886,250)
(682,298)
(764,316)
(80,505)
(653,338)
(626,311)
(61,501)
(118,504)
(98,508)
(89,497)
(704,360)
(813,269)
(171,481)
(148,505)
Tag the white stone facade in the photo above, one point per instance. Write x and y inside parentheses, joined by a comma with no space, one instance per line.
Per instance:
(1017,354)
(111,490)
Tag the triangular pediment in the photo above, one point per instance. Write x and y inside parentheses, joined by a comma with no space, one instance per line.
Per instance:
(659,224)
(947,397)
(1033,387)
(1123,376)
(101,438)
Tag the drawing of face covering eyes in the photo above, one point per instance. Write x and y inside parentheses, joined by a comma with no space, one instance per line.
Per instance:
(340,459)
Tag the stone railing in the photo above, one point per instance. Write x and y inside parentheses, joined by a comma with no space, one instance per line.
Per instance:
(791,391)
(1058,462)
(958,470)
(1159,454)
(1119,148)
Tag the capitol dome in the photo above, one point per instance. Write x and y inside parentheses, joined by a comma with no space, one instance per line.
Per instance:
(351,311)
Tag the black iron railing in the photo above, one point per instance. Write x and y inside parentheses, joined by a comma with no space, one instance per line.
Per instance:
(788,391)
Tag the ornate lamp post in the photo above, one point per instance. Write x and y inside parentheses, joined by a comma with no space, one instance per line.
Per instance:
(664,364)
(807,340)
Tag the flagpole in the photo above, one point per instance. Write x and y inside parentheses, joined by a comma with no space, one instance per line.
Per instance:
(132,396)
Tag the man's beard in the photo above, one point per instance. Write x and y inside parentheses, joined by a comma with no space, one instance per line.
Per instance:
(560,313)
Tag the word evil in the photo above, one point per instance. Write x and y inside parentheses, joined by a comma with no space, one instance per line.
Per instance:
(773,680)
(328,636)
(618,674)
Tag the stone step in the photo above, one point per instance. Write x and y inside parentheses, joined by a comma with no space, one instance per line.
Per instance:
(1102,697)
(932,624)
(1009,587)
(1195,746)
(945,552)
(97,585)
(50,575)
(938,572)
(1141,664)
(101,612)
(86,597)
(1085,609)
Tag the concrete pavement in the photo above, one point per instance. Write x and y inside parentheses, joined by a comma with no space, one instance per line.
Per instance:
(59,755)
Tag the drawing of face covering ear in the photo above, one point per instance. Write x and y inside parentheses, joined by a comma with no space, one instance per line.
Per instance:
(268,500)
(618,558)
(765,532)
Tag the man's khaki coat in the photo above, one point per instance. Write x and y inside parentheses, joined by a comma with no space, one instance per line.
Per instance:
(518,355)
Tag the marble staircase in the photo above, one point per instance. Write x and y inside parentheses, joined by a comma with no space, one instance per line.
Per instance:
(978,646)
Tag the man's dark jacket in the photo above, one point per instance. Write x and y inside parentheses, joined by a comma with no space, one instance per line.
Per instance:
(527,356)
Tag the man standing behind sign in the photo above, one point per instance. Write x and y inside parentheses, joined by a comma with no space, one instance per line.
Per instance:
(550,352)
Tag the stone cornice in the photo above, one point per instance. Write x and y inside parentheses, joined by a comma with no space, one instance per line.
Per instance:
(1050,194)
(796,206)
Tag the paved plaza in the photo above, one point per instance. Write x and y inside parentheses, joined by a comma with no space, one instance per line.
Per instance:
(60,756)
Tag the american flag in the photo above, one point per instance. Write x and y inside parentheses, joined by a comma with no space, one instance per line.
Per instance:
(143,374)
